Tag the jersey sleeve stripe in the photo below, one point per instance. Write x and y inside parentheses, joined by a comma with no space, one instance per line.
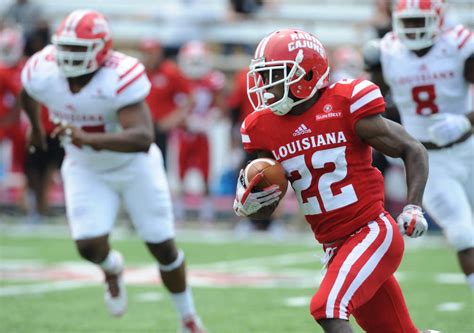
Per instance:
(136,77)
(364,100)
(360,86)
(464,41)
(461,30)
(364,92)
(129,70)
(245,138)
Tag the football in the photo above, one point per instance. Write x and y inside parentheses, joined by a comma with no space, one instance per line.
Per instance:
(272,171)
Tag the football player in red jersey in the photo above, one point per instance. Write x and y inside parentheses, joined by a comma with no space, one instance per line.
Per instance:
(170,94)
(194,148)
(97,95)
(323,136)
(11,63)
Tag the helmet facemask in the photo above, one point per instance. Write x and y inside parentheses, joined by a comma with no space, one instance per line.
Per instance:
(423,36)
(76,57)
(292,73)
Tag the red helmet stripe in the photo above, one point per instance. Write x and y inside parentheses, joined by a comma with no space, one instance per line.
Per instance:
(74,19)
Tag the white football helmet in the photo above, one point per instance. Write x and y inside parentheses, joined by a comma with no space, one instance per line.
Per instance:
(194,59)
(82,42)
(417,23)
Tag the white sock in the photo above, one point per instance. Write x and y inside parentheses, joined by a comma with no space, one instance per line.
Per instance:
(470,281)
(184,303)
(113,263)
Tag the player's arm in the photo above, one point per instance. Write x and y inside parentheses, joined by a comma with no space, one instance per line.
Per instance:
(391,139)
(31,108)
(448,128)
(248,203)
(469,76)
(136,136)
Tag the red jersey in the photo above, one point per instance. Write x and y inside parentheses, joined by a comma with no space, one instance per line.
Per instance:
(328,165)
(10,87)
(168,86)
(204,92)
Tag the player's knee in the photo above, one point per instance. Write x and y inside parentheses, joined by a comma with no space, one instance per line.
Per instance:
(91,251)
(333,325)
(165,252)
(460,236)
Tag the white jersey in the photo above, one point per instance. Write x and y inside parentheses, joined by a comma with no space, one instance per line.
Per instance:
(433,83)
(121,81)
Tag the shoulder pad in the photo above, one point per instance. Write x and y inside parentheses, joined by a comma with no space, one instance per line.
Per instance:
(458,36)
(38,70)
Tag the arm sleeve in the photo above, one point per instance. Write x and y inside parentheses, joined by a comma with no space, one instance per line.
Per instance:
(365,100)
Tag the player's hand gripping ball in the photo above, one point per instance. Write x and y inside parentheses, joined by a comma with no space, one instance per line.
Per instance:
(259,188)
(269,172)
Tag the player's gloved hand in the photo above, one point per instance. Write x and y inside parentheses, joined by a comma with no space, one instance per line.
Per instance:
(411,221)
(247,202)
(448,128)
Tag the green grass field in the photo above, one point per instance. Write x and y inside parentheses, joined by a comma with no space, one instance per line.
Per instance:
(256,284)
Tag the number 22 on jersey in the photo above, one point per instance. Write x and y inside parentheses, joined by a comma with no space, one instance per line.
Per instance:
(310,205)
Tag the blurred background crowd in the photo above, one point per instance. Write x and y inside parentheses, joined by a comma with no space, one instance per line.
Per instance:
(196,53)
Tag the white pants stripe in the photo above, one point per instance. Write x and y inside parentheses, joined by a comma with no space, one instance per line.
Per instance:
(367,269)
(355,254)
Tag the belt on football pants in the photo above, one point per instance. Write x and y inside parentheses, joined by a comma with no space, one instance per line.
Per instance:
(434,146)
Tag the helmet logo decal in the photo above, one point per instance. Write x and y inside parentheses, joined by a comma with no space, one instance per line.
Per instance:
(301,40)
(100,26)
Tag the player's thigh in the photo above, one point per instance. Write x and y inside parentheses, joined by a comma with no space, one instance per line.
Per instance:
(148,199)
(361,265)
(447,201)
(91,205)
(386,311)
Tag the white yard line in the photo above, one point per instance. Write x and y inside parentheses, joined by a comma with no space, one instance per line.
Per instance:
(450,278)
(450,307)
(40,288)
(209,236)
(266,261)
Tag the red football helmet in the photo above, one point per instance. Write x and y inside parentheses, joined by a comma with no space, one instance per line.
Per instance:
(12,44)
(418,22)
(302,59)
(194,59)
(82,42)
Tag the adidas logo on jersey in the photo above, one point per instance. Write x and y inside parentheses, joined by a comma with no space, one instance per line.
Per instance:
(302,129)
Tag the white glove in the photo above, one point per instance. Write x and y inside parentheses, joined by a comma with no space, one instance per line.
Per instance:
(448,128)
(411,221)
(247,203)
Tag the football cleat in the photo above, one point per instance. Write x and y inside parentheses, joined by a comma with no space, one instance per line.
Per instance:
(115,293)
(192,324)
